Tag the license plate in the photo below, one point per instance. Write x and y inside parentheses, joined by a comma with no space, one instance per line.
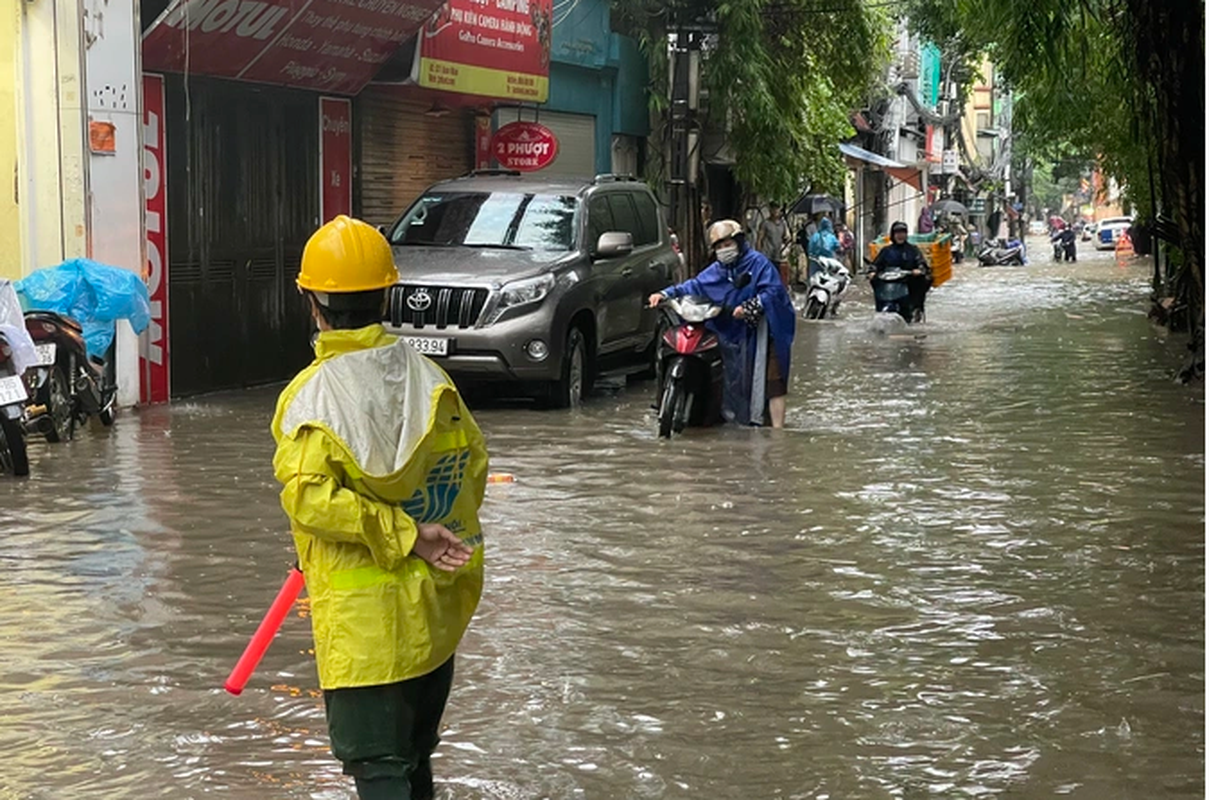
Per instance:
(430,345)
(12,390)
(46,354)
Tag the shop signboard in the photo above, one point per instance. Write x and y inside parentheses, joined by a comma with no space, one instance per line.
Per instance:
(334,46)
(155,345)
(525,146)
(335,157)
(498,50)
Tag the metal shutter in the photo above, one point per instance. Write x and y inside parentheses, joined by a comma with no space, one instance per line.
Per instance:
(404,152)
(575,135)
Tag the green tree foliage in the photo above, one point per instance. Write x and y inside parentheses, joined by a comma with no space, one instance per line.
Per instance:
(783,76)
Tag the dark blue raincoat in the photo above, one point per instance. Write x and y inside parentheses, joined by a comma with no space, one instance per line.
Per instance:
(744,357)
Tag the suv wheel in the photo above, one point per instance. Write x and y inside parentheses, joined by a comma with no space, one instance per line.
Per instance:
(569,389)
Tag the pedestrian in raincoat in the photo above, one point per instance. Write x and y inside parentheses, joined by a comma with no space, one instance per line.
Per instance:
(824,244)
(755,331)
(384,471)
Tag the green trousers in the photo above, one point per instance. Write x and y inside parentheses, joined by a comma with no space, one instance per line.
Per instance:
(384,735)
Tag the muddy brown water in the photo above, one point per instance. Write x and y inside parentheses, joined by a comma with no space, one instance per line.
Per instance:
(972,566)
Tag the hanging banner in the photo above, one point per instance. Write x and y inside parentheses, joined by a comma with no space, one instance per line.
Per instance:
(935,144)
(335,158)
(525,146)
(326,45)
(492,50)
(155,344)
(484,141)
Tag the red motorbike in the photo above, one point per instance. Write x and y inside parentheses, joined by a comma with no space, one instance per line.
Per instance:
(690,374)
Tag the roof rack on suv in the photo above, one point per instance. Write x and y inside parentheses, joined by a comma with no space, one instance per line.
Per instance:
(482,173)
(615,178)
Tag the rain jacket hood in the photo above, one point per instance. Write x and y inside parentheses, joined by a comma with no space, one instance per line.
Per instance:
(373,439)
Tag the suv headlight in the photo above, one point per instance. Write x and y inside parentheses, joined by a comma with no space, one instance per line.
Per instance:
(524,292)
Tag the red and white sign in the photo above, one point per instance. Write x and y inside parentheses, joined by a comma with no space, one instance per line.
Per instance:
(491,49)
(525,146)
(335,158)
(327,45)
(155,342)
(484,141)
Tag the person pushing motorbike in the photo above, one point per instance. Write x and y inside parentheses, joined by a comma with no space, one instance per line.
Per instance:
(383,472)
(756,337)
(901,254)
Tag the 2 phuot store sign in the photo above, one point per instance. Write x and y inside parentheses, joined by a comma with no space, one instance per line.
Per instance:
(525,146)
(155,345)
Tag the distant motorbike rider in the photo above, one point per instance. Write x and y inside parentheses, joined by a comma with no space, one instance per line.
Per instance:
(756,336)
(901,254)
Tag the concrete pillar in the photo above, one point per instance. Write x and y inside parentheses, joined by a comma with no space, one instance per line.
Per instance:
(11,259)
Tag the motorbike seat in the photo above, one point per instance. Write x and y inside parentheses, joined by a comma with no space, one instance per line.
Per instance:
(55,319)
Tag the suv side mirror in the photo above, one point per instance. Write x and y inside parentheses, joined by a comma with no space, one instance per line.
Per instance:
(614,245)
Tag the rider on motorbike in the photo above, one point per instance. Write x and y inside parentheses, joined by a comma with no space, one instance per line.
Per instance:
(901,254)
(756,368)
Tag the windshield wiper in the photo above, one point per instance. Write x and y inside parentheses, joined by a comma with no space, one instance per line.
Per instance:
(498,246)
(422,244)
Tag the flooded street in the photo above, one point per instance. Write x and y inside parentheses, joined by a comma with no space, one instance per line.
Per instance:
(973,565)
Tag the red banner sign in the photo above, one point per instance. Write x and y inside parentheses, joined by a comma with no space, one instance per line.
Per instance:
(478,47)
(484,141)
(525,146)
(335,158)
(327,45)
(155,342)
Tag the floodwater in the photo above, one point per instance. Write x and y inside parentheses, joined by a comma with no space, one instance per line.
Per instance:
(973,566)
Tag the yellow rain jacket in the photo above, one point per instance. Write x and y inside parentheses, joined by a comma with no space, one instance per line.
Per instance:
(373,438)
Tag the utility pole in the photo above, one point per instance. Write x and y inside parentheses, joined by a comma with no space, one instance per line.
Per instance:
(683,135)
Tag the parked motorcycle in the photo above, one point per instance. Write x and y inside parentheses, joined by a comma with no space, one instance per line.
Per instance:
(827,283)
(13,396)
(17,352)
(998,253)
(68,386)
(690,388)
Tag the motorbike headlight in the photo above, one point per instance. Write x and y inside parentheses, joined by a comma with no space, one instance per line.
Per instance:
(524,292)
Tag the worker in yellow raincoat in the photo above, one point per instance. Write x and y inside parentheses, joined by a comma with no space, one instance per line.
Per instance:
(384,472)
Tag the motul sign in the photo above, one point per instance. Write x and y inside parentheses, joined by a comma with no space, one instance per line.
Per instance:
(525,146)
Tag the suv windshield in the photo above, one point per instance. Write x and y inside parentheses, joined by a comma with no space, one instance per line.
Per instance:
(489,219)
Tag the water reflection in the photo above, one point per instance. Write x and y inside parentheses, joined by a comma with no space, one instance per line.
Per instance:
(973,566)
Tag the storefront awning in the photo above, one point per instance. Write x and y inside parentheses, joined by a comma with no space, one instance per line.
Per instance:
(907,174)
(333,46)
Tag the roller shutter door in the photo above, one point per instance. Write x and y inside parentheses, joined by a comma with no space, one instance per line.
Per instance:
(403,152)
(575,135)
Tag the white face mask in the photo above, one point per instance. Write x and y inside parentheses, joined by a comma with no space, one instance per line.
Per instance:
(727,254)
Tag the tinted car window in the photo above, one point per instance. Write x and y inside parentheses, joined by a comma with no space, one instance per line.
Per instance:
(489,219)
(623,215)
(599,220)
(648,219)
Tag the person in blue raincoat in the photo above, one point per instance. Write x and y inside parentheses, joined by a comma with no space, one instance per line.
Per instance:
(825,243)
(756,335)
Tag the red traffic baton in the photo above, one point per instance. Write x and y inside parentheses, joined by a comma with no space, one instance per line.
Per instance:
(265,633)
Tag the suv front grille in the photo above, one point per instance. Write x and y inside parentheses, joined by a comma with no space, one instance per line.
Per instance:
(447,307)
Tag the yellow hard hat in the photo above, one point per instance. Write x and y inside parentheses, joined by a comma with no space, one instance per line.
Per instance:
(724,229)
(347,255)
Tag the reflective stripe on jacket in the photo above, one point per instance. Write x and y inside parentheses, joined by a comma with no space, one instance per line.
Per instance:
(372,439)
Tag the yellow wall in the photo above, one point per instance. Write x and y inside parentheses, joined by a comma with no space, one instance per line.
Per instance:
(10,216)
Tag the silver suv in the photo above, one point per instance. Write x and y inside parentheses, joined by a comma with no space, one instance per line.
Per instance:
(542,281)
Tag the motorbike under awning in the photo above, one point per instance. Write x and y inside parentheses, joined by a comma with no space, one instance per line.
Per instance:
(907,174)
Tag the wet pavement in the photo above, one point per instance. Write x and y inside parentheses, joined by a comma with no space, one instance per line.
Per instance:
(973,565)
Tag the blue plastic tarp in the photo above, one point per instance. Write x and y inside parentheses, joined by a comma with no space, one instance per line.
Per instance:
(95,295)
